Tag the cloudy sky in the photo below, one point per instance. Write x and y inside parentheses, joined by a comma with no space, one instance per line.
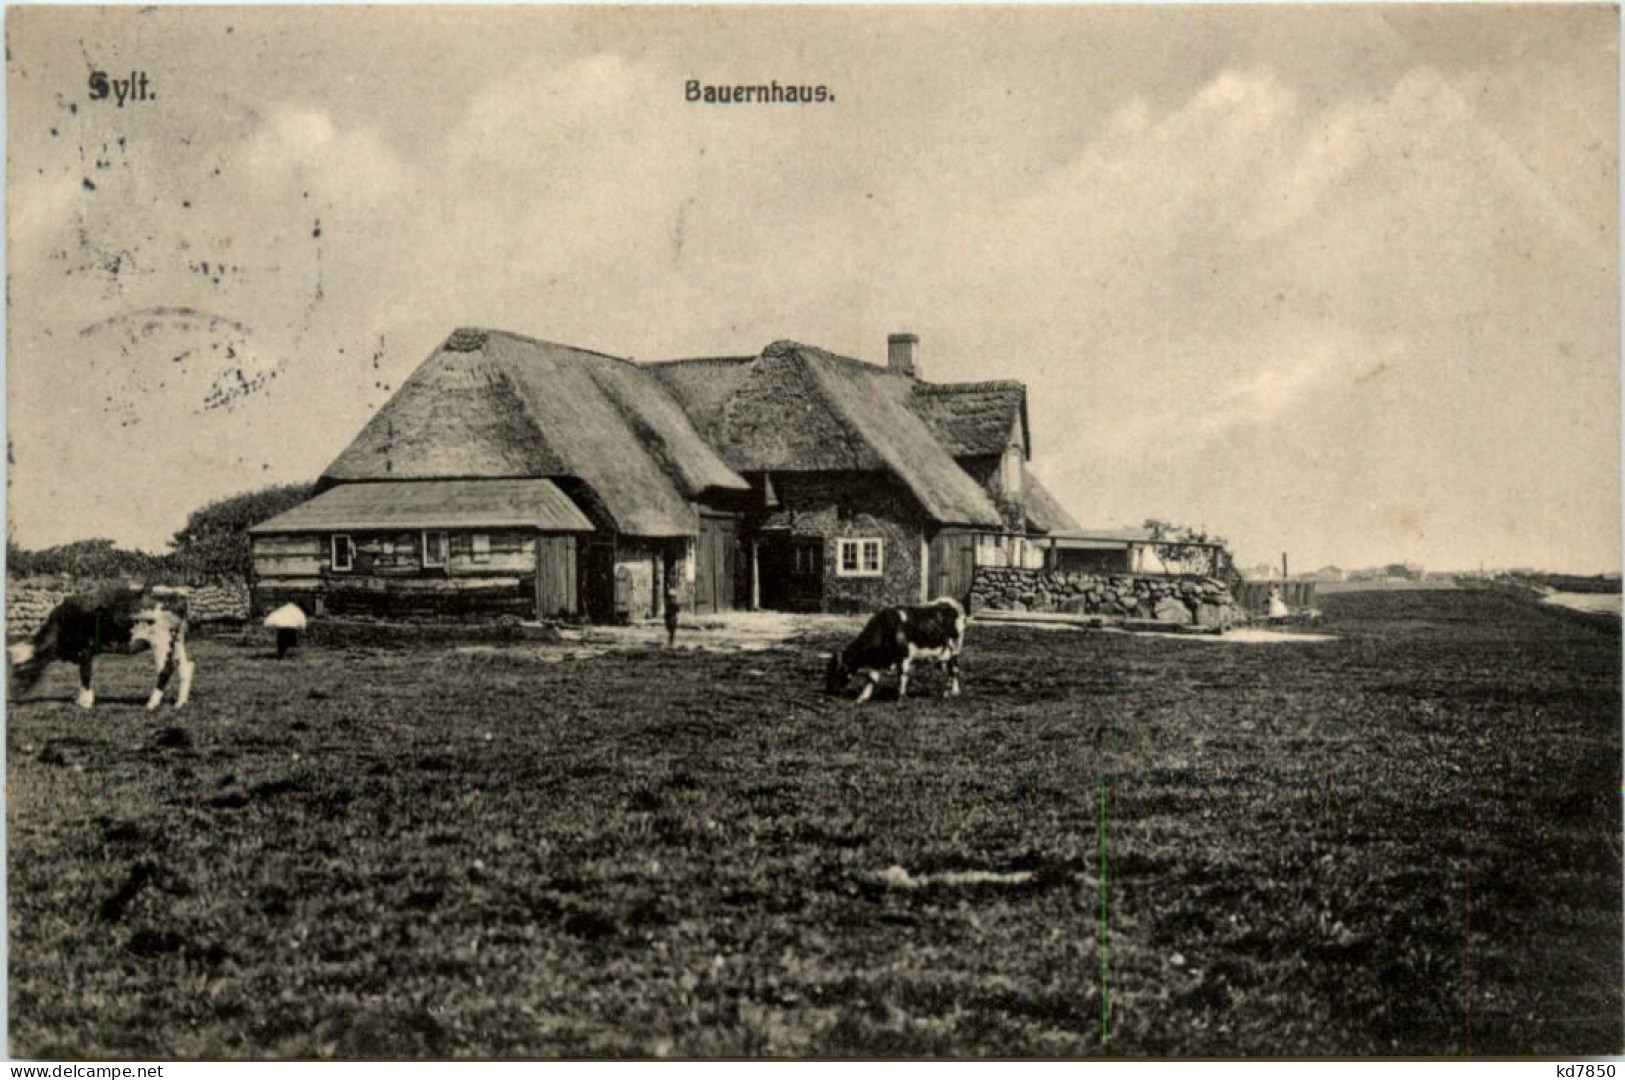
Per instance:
(1342,282)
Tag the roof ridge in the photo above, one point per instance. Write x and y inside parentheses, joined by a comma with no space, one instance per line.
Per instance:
(968,387)
(862,365)
(487,331)
(697,360)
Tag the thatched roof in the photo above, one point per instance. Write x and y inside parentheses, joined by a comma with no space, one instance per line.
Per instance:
(703,387)
(800,408)
(492,404)
(645,441)
(1044,513)
(973,419)
(433,504)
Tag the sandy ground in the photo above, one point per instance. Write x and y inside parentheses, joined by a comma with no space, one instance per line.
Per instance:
(734,631)
(754,631)
(1594,603)
(1245,635)
(1325,588)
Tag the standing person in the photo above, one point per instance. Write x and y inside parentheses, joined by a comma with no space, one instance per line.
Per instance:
(671,614)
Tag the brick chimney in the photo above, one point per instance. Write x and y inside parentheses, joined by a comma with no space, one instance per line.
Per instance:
(900,349)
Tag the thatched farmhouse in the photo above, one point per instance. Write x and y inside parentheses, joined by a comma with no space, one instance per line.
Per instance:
(514,475)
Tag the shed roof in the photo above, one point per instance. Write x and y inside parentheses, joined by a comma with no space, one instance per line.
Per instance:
(1127,535)
(433,504)
(490,404)
(1084,543)
(1044,513)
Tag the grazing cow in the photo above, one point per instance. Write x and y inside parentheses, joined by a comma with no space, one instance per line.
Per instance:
(896,638)
(119,619)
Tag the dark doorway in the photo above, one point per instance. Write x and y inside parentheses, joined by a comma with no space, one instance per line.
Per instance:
(598,578)
(792,572)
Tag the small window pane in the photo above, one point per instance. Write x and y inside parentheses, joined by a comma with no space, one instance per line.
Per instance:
(482,547)
(859,557)
(434,549)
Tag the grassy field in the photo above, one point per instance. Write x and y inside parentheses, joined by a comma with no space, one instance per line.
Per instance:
(1406,841)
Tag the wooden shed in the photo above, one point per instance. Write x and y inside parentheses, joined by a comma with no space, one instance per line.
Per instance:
(611,438)
(435,547)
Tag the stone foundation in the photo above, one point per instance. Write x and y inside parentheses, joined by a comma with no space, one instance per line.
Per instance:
(1187,601)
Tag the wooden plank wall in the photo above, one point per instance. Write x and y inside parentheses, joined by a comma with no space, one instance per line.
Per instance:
(388,576)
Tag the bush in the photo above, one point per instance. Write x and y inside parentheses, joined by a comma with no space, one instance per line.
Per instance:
(1209,558)
(99,558)
(214,542)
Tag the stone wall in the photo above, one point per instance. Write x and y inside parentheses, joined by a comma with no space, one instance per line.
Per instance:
(30,600)
(1177,600)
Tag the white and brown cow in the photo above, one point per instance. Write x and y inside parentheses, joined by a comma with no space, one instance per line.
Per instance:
(117,619)
(897,638)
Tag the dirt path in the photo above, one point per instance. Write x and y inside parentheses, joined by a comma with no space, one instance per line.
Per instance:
(735,631)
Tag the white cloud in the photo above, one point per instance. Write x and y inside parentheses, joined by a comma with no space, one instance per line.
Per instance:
(1189,277)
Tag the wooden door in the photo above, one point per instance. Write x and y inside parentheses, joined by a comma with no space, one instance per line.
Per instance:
(715,564)
(727,564)
(953,565)
(556,591)
(705,569)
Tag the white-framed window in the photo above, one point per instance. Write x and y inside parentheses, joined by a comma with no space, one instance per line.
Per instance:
(343,552)
(859,557)
(481,547)
(434,548)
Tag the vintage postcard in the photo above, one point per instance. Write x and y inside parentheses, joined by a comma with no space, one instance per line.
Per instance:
(813,532)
